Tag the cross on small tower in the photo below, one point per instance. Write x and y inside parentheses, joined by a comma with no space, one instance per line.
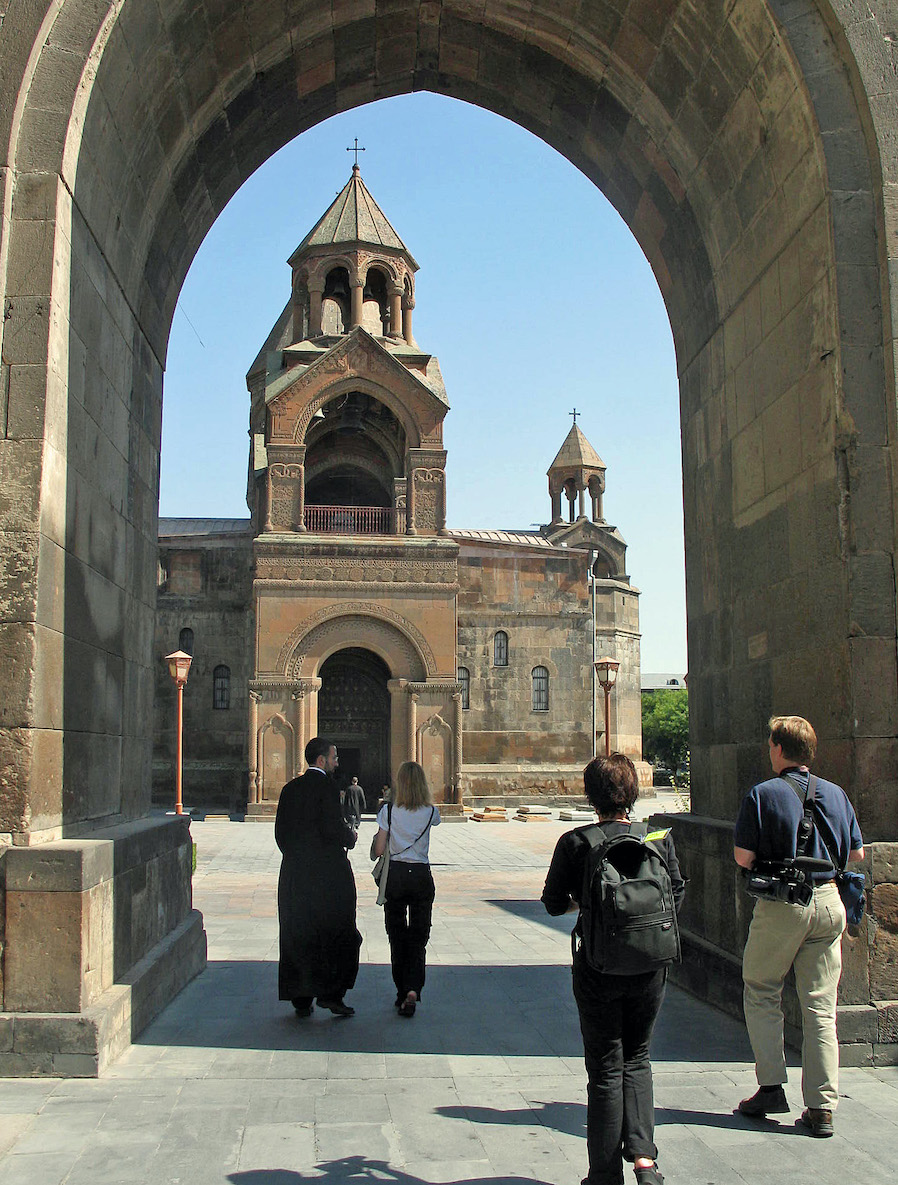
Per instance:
(575,413)
(356,150)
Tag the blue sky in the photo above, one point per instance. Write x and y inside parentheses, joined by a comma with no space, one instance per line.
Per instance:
(532,293)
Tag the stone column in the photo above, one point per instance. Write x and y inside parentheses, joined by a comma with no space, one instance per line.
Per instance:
(412,726)
(268,526)
(456,748)
(556,505)
(407,305)
(300,524)
(581,500)
(297,697)
(315,294)
(395,312)
(355,314)
(252,748)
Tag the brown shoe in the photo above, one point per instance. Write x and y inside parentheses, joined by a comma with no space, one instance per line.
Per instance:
(818,1121)
(765,1101)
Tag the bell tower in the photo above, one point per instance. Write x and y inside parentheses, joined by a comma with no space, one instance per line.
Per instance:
(353,568)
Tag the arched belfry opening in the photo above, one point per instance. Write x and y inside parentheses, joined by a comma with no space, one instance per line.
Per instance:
(354,712)
(745,153)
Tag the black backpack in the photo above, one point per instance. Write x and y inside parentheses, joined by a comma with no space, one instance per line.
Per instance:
(628,920)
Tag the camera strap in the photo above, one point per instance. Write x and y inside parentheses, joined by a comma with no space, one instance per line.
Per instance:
(806,826)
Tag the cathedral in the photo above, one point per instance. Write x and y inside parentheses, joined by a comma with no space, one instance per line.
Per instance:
(344,606)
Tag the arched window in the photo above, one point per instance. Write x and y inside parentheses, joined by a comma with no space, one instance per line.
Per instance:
(221,687)
(185,641)
(539,678)
(500,649)
(464,679)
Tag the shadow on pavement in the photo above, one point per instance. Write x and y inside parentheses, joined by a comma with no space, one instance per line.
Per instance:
(535,911)
(359,1168)
(569,1118)
(522,1010)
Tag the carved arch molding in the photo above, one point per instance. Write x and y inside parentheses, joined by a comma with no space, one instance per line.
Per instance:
(401,644)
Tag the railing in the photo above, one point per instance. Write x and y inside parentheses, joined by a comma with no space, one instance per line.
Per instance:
(349,520)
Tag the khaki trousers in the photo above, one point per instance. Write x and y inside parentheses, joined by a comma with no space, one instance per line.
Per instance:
(808,939)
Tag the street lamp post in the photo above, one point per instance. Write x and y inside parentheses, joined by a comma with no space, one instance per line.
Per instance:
(606,669)
(179,668)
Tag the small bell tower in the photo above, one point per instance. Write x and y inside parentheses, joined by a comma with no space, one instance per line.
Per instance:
(578,470)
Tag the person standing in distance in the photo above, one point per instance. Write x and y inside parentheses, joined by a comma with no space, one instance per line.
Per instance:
(319,942)
(353,803)
(806,938)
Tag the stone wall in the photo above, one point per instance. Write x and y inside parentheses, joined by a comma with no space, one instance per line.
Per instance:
(540,599)
(206,587)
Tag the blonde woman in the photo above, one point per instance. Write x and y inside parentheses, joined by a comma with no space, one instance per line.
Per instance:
(405,825)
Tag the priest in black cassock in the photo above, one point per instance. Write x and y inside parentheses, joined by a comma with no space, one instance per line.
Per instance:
(319,942)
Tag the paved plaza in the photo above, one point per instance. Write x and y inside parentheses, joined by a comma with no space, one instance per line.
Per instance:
(485,1084)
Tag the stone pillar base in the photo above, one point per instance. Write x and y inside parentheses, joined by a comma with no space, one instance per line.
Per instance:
(99,935)
(82,1045)
(260,812)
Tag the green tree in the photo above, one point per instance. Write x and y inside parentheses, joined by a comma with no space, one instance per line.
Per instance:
(665,727)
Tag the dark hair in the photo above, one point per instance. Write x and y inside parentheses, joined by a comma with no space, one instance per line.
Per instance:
(611,783)
(317,747)
(796,737)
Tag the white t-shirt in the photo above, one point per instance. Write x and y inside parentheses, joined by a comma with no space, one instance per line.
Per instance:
(405,827)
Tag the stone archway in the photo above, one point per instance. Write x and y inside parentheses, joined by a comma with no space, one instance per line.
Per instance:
(752,151)
(354,712)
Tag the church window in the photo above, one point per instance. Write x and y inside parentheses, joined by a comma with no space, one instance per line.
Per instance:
(500,649)
(221,687)
(540,689)
(185,640)
(464,679)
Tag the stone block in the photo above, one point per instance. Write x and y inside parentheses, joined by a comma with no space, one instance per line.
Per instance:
(857,1054)
(76,1065)
(885,1055)
(54,1034)
(43,957)
(68,866)
(857,1023)
(873,682)
(883,859)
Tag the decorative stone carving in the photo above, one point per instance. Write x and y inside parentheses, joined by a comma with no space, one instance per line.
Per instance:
(428,513)
(367,613)
(285,496)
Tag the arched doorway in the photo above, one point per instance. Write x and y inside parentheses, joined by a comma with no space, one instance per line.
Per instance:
(354,712)
(731,145)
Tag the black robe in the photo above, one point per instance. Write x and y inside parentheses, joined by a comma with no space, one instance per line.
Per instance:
(319,942)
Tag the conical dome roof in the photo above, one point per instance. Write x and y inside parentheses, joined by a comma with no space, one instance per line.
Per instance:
(576,453)
(353,217)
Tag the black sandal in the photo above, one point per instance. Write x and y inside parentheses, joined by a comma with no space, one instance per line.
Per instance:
(407,1007)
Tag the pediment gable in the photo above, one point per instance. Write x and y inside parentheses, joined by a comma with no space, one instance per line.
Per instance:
(585,534)
(361,361)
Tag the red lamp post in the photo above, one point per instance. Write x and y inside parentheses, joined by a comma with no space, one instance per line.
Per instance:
(606,670)
(179,668)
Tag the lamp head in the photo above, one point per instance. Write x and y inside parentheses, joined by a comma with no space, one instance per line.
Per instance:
(179,665)
(606,670)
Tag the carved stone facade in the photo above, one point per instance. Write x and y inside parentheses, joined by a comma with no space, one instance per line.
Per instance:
(355,612)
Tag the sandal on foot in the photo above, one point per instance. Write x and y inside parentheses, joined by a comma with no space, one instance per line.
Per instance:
(407,1007)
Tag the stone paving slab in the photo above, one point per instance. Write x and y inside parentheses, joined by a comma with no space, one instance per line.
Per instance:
(485,1084)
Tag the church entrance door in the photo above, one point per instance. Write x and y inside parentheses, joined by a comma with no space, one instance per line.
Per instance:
(354,713)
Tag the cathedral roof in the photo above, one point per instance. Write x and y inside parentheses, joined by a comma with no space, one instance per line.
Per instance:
(577,453)
(353,217)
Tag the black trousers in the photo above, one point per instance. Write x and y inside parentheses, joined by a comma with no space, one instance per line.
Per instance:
(617,1016)
(407,913)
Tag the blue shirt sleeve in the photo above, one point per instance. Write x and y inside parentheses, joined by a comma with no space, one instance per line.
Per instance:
(747,833)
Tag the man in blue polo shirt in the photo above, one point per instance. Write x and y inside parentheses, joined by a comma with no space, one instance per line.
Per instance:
(805,938)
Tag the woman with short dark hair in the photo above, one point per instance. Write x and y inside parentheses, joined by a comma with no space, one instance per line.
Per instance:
(617,1012)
